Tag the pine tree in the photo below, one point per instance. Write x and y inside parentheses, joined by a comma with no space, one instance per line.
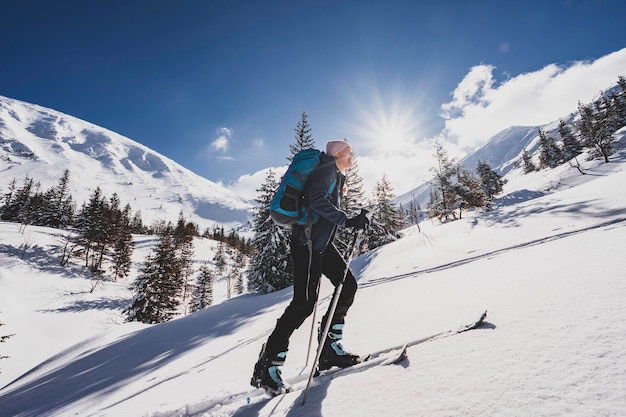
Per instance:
(304,138)
(239,265)
(202,294)
(386,217)
(123,245)
(571,145)
(157,289)
(491,183)
(595,131)
(413,212)
(527,161)
(469,191)
(136,223)
(550,155)
(443,199)
(58,211)
(22,205)
(220,262)
(91,227)
(351,203)
(8,208)
(621,100)
(184,251)
(236,264)
(270,267)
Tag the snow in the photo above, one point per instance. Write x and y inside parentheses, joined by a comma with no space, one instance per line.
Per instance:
(42,143)
(548,264)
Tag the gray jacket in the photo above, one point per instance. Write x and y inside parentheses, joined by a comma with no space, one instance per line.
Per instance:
(323,195)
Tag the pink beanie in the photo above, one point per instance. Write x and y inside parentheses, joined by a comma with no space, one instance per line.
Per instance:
(335,146)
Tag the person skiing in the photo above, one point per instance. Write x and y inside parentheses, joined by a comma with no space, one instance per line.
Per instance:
(313,254)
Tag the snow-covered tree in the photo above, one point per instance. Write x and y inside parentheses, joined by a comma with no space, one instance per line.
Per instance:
(386,216)
(491,182)
(468,190)
(620,100)
(157,288)
(596,130)
(237,270)
(136,223)
(443,199)
(202,293)
(22,204)
(58,210)
(8,209)
(221,260)
(270,267)
(183,242)
(527,162)
(571,145)
(122,244)
(412,213)
(550,155)
(91,227)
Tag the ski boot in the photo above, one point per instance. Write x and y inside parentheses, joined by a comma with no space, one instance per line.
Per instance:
(267,373)
(333,353)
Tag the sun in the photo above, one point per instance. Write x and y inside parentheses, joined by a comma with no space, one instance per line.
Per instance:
(388,125)
(391,130)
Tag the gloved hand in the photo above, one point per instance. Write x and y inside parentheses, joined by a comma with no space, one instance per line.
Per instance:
(360,222)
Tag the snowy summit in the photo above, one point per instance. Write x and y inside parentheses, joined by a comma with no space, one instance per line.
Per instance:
(42,143)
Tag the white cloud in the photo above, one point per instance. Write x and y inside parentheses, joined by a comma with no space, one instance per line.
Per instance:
(480,108)
(247,185)
(222,142)
(471,90)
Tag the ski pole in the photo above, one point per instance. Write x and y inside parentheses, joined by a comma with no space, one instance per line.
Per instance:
(331,312)
(308,351)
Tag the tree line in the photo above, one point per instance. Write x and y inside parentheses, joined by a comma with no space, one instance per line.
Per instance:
(594,129)
(168,284)
(455,189)
(99,234)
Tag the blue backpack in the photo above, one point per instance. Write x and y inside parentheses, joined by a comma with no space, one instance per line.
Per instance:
(287,205)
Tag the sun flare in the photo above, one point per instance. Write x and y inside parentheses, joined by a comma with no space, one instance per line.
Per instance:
(389,125)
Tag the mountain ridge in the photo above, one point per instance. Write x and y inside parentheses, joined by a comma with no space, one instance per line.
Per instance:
(41,143)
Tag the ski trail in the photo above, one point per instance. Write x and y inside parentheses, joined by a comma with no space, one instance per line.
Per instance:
(382,280)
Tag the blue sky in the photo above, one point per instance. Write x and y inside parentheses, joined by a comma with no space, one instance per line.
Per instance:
(219,86)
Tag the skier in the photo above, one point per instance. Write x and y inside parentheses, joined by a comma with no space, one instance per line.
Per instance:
(323,194)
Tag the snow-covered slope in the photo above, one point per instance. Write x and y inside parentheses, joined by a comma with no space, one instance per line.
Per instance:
(42,143)
(502,149)
(548,264)
(501,152)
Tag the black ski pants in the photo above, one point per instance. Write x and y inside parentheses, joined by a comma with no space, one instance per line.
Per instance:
(305,291)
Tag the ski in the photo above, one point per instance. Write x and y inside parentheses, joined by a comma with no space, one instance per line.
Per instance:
(399,349)
(466,327)
(388,356)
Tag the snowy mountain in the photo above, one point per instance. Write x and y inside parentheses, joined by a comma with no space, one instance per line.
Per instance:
(503,149)
(547,263)
(41,143)
(501,152)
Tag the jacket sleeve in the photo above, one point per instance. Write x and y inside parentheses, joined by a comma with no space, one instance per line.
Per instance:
(320,194)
